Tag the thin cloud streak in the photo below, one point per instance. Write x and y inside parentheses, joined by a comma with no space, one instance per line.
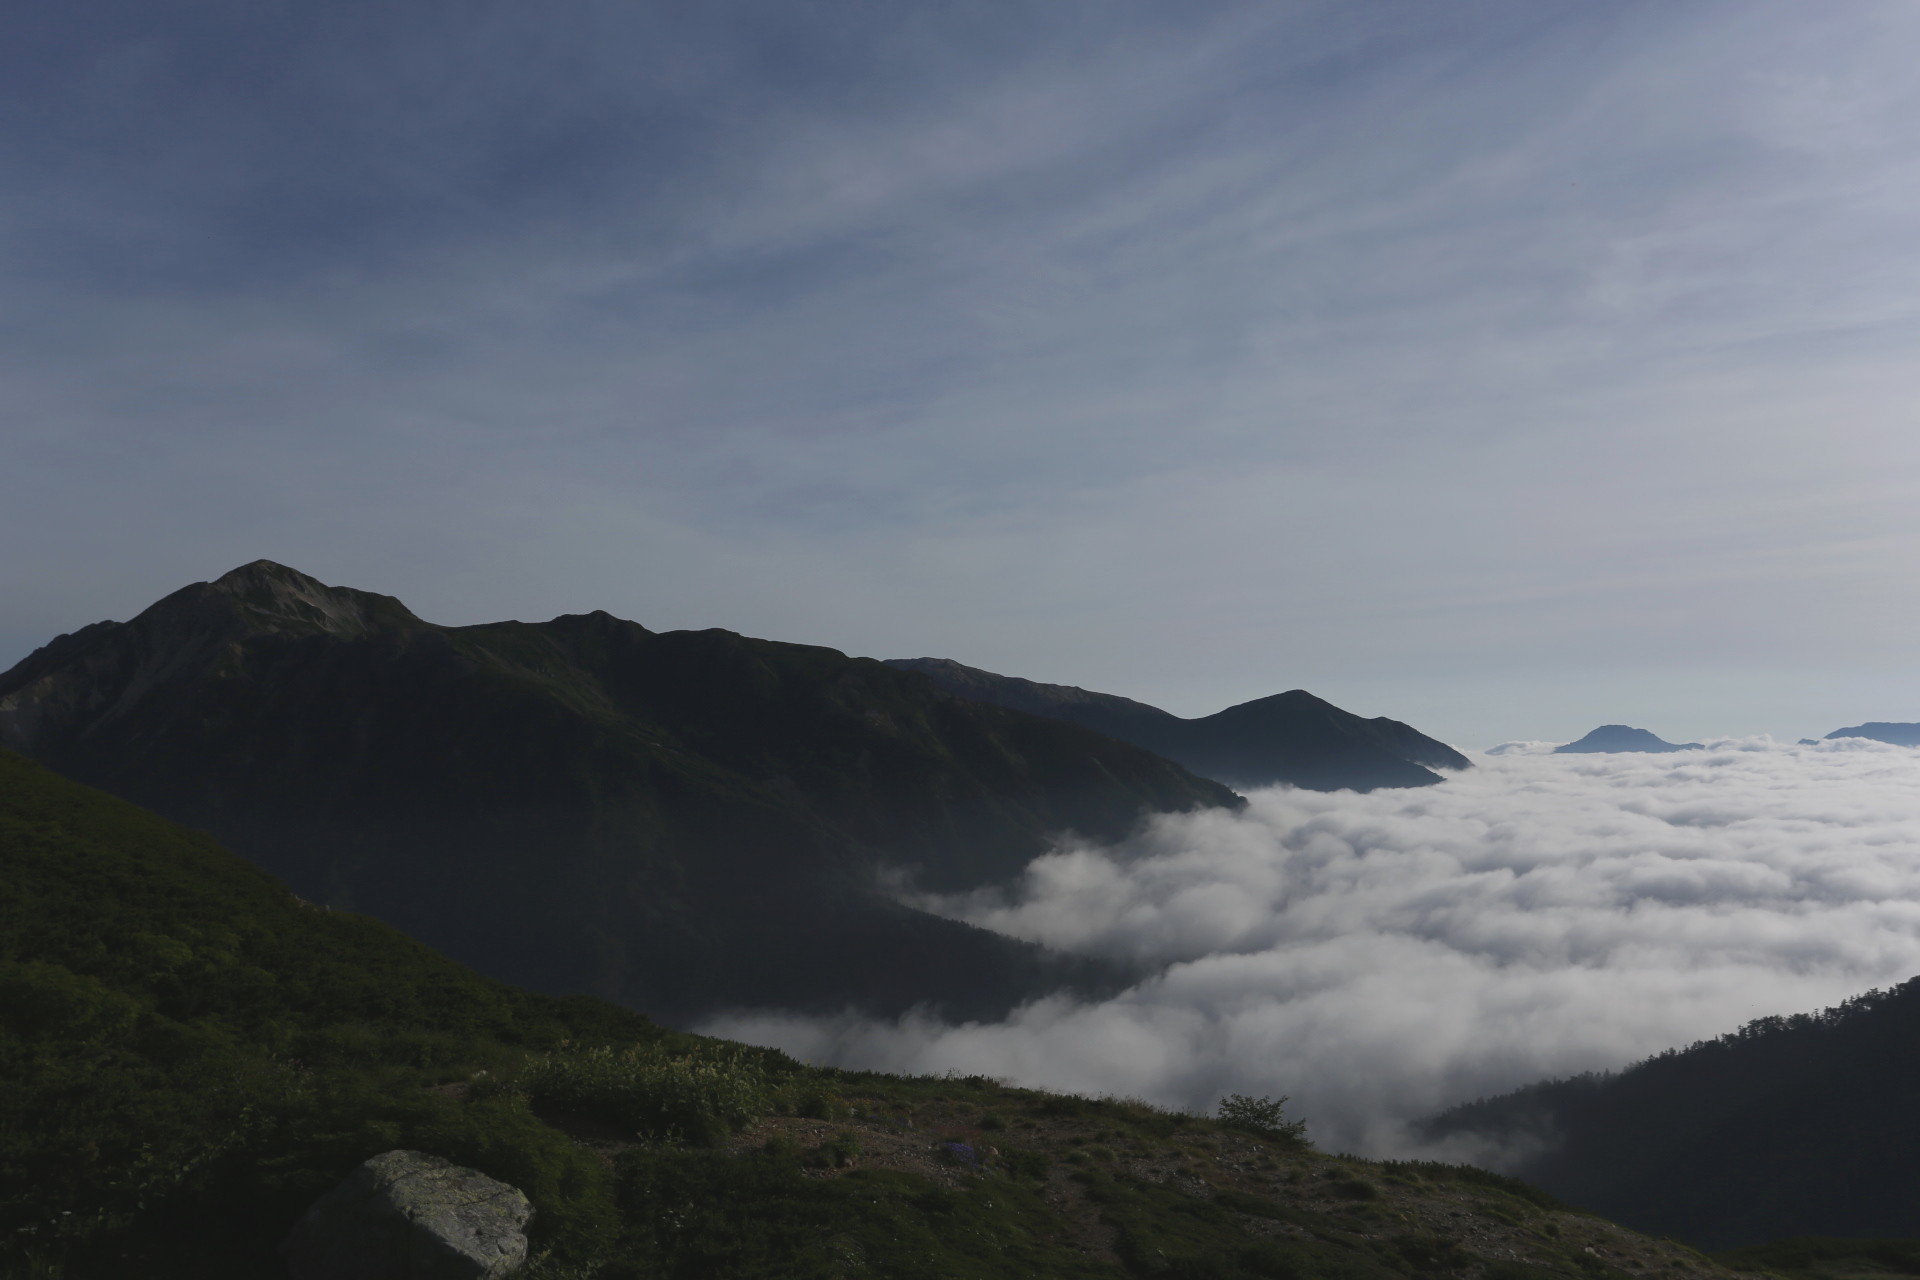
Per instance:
(1380,957)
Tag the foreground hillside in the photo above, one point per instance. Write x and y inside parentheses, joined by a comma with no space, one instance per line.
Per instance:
(679,822)
(1805,1125)
(191,1054)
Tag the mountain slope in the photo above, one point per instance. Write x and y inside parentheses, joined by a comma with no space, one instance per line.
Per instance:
(189,1055)
(1292,737)
(1792,1126)
(677,821)
(1620,737)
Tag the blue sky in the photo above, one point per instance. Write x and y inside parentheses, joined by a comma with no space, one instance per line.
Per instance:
(1506,368)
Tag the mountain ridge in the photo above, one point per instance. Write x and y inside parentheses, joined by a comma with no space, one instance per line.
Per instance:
(1894,732)
(1293,737)
(677,820)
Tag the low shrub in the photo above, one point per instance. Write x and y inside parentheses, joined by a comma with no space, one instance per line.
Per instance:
(1024,1162)
(1263,1117)
(839,1151)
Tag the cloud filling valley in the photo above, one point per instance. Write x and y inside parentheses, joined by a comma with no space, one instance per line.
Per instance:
(1379,957)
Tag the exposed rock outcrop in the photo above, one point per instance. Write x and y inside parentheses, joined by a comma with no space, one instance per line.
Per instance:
(406,1215)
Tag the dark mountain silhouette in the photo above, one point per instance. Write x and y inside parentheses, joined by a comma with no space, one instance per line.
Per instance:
(678,821)
(1290,737)
(1619,737)
(1803,1125)
(1900,735)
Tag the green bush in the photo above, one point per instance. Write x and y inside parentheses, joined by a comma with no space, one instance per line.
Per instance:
(1024,1162)
(1264,1117)
(839,1151)
(810,1101)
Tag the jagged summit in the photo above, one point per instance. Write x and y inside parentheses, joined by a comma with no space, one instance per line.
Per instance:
(1620,737)
(267,596)
(104,672)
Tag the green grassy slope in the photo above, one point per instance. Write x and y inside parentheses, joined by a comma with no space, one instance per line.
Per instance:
(189,1055)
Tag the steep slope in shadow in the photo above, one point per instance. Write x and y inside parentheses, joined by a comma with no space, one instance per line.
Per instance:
(1293,737)
(1803,1125)
(679,821)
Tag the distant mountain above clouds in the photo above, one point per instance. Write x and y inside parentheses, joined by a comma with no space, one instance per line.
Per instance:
(1620,737)
(1900,735)
(1291,737)
(678,821)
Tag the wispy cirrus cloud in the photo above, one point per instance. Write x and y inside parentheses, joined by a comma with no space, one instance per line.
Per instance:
(1463,363)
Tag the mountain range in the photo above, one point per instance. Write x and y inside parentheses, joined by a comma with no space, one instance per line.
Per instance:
(677,821)
(1291,738)
(688,821)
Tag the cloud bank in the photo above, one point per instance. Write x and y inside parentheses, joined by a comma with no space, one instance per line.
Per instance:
(1379,957)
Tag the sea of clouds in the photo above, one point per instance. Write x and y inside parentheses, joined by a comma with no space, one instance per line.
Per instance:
(1380,957)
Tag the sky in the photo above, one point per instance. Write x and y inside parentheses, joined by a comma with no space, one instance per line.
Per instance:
(1505,367)
(1376,959)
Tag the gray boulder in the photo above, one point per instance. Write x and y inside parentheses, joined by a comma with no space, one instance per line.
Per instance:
(406,1215)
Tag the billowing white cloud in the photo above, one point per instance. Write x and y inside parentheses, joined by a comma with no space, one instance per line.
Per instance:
(1378,957)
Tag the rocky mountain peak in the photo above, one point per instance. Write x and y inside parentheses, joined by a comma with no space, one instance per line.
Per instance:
(103,671)
(267,596)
